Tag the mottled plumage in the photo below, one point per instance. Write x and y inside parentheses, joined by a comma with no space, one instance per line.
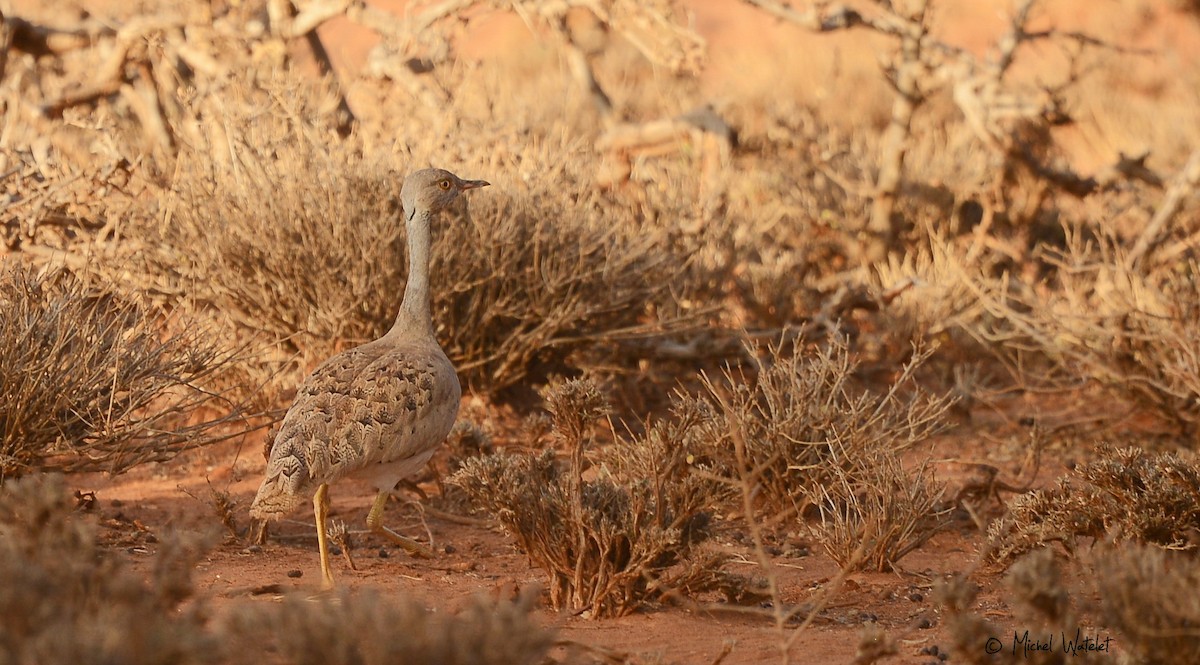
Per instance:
(377,411)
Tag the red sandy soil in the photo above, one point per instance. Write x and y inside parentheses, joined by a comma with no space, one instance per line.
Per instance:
(159,498)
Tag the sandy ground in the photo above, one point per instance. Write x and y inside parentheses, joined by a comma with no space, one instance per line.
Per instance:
(159,498)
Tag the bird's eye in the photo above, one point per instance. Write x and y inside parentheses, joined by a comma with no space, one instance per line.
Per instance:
(444,183)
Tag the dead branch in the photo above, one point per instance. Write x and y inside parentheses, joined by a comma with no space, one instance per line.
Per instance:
(115,72)
(5,40)
(287,21)
(702,128)
(314,14)
(908,72)
(1182,186)
(40,40)
(997,111)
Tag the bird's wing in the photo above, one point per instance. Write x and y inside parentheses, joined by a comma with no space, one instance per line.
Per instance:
(367,405)
(373,403)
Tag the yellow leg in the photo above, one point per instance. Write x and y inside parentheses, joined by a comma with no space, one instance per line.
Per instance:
(321,509)
(375,523)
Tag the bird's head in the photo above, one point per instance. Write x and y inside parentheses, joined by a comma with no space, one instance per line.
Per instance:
(433,190)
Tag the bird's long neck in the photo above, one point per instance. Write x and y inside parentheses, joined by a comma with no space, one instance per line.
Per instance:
(414,316)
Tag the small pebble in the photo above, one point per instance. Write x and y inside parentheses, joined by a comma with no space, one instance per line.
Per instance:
(254,549)
(924,623)
(449,549)
(383,553)
(295,573)
(916,597)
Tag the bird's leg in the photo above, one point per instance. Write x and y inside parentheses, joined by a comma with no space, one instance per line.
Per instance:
(321,509)
(375,523)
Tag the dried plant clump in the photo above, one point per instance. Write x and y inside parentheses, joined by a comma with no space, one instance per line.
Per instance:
(91,380)
(803,414)
(58,581)
(614,542)
(1130,329)
(66,600)
(812,442)
(1146,593)
(1042,607)
(528,281)
(1149,594)
(873,512)
(1125,494)
(367,629)
(538,281)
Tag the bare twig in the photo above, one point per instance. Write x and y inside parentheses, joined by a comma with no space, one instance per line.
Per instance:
(1182,186)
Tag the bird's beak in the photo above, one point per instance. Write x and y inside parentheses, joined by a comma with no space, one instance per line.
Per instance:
(473,184)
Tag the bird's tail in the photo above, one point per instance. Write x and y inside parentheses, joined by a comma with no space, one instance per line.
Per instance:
(273,500)
(281,490)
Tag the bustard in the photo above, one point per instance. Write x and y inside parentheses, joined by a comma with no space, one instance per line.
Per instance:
(377,411)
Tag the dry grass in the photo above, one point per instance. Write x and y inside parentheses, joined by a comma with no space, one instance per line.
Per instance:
(611,543)
(59,582)
(1146,593)
(816,443)
(91,380)
(804,414)
(368,629)
(69,599)
(873,511)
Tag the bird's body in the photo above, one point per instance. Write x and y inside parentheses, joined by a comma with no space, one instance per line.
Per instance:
(375,412)
(378,411)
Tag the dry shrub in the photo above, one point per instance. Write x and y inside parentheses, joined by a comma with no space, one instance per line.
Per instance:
(1146,594)
(1125,494)
(320,257)
(283,230)
(1132,330)
(1043,608)
(550,276)
(66,600)
(943,301)
(813,439)
(1150,596)
(616,541)
(874,511)
(365,628)
(1098,316)
(91,380)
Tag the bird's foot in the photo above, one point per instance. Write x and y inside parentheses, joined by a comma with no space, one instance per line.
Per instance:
(409,545)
